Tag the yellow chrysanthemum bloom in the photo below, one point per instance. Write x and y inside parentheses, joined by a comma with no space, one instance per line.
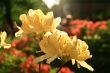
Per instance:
(3,37)
(59,44)
(50,45)
(36,21)
(83,53)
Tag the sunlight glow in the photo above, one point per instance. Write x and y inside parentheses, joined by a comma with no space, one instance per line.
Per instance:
(51,3)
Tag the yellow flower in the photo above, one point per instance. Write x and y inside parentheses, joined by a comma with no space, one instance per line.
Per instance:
(36,21)
(83,53)
(3,37)
(59,44)
(82,49)
(50,45)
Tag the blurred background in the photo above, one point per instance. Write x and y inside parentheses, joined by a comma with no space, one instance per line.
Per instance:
(88,19)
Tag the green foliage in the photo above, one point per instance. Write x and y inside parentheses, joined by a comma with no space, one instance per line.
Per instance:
(1,48)
(19,7)
(22,6)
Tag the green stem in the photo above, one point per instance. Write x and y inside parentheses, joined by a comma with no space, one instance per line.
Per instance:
(59,69)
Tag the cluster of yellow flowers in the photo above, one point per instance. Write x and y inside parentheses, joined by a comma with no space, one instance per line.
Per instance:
(54,43)
(59,44)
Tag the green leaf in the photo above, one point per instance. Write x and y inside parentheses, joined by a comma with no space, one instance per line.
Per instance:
(1,48)
(53,70)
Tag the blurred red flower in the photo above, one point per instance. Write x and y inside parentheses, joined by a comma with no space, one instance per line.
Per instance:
(45,68)
(66,70)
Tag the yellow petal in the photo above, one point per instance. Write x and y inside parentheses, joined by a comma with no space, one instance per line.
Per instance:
(31,12)
(41,58)
(85,65)
(56,22)
(73,61)
(40,15)
(49,18)
(6,45)
(48,45)
(3,37)
(19,33)
(51,59)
